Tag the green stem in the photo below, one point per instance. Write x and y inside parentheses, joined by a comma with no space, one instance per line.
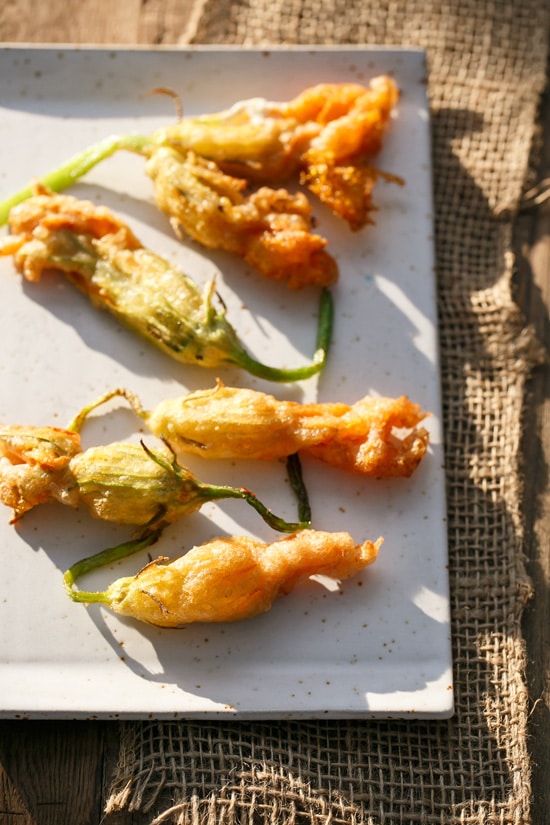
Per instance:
(80,417)
(105,557)
(276,522)
(294,471)
(77,166)
(212,492)
(324,335)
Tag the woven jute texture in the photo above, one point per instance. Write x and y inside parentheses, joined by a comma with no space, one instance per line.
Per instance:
(486,64)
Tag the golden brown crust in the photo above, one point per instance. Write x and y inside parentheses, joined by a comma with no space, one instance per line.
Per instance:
(35,466)
(374,437)
(270,229)
(235,578)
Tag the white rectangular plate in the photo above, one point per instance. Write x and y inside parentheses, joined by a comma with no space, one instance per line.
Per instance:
(375,646)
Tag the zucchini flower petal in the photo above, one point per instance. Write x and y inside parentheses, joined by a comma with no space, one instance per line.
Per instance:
(378,437)
(226,579)
(270,229)
(100,255)
(124,483)
(327,133)
(337,165)
(34,467)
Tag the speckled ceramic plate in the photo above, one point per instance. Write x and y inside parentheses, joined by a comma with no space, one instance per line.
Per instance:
(375,646)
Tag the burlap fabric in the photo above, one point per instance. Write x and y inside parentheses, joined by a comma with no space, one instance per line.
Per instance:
(486,71)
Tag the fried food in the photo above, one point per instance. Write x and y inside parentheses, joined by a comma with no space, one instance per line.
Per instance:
(123,483)
(329,134)
(34,466)
(369,440)
(234,422)
(378,437)
(231,422)
(100,255)
(270,229)
(229,579)
(337,165)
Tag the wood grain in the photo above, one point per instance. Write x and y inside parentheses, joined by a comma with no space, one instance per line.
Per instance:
(532,247)
(95,21)
(51,772)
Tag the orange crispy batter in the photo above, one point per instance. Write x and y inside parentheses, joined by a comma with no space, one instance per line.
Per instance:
(368,442)
(54,210)
(270,229)
(34,466)
(228,422)
(337,165)
(347,190)
(51,447)
(353,118)
(234,578)
(329,134)
(46,212)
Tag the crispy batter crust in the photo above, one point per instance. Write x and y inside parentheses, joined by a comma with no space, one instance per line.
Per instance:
(375,436)
(271,229)
(35,466)
(235,578)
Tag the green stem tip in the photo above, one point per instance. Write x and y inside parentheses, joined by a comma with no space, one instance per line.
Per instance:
(101,559)
(294,472)
(76,167)
(324,335)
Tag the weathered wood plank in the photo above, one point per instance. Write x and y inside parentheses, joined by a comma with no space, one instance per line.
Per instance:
(51,772)
(95,21)
(532,243)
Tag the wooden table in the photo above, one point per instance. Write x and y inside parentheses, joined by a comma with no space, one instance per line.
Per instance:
(57,772)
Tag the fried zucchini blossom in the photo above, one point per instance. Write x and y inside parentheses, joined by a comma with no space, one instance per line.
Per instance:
(99,254)
(269,228)
(225,580)
(376,436)
(124,483)
(327,136)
